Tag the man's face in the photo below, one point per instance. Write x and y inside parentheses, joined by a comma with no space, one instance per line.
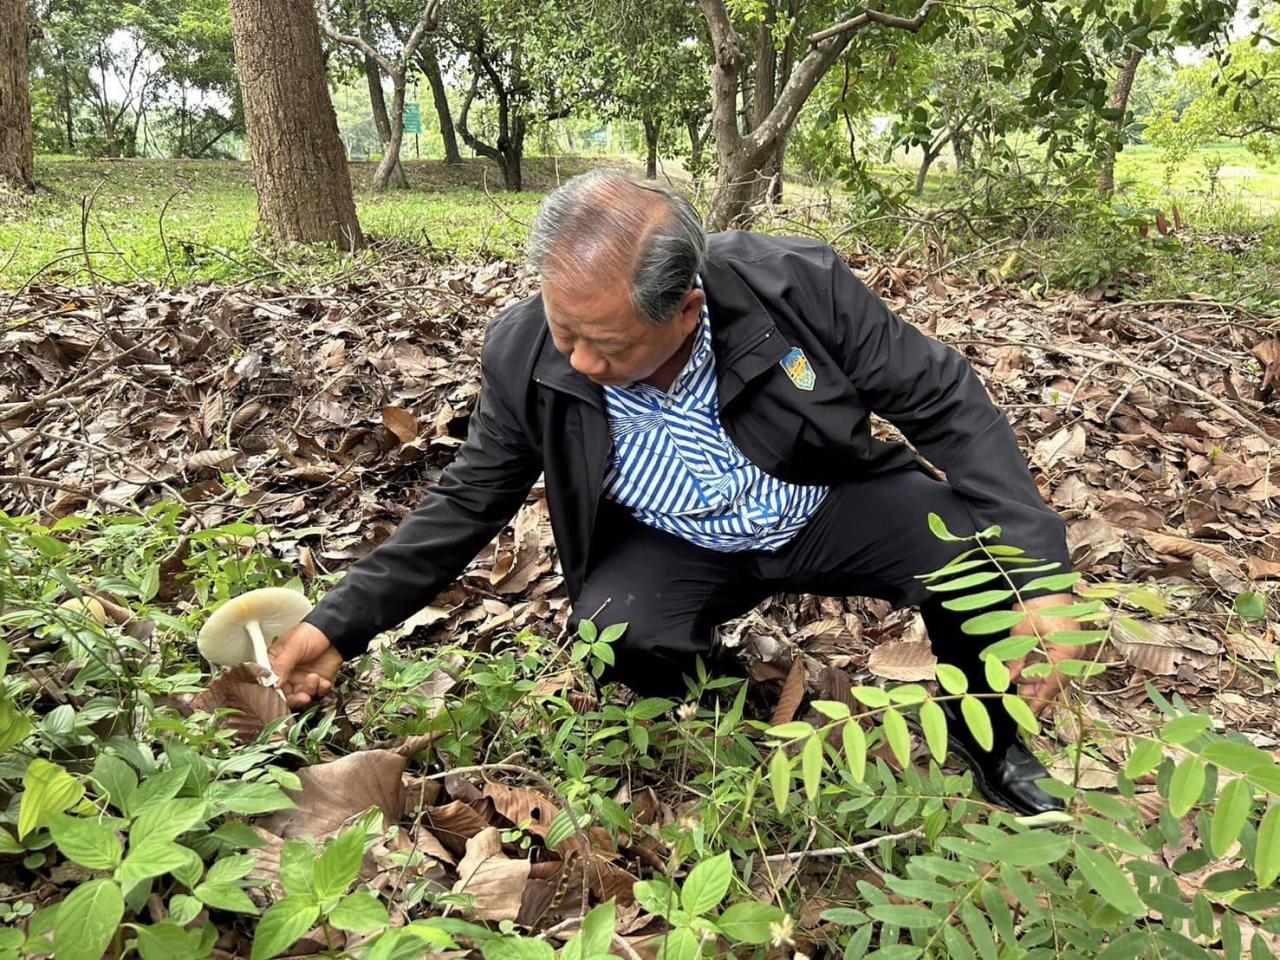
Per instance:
(605,339)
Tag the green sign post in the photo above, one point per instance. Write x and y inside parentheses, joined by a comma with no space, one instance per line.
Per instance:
(412,118)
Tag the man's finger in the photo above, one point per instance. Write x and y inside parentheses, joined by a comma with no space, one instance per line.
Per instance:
(283,656)
(296,701)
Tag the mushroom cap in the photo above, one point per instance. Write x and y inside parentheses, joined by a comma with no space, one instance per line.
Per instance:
(224,639)
(90,607)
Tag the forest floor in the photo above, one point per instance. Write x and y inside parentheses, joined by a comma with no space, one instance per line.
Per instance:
(321,402)
(325,412)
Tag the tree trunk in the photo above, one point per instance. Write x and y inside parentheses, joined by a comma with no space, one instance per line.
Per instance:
(513,152)
(962,149)
(373,76)
(652,129)
(784,77)
(431,67)
(931,153)
(764,88)
(299,165)
(1119,101)
(739,189)
(742,155)
(508,153)
(378,104)
(390,170)
(17,162)
(377,101)
(67,107)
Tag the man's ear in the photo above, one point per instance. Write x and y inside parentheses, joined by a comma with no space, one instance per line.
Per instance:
(691,309)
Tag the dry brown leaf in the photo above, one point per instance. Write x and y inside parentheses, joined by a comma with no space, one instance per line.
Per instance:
(1067,444)
(792,693)
(910,660)
(1131,512)
(1260,569)
(400,422)
(1094,774)
(1178,546)
(239,688)
(1163,650)
(427,842)
(211,460)
(1268,353)
(1092,540)
(494,881)
(334,793)
(519,804)
(454,824)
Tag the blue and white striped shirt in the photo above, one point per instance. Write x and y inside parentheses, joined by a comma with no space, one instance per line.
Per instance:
(675,468)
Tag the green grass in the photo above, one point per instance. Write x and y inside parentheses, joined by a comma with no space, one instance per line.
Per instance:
(1254,182)
(1230,250)
(209,221)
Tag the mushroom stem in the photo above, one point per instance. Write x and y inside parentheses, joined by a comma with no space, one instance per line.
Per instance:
(260,653)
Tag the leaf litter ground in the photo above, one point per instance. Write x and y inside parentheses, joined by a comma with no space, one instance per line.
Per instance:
(325,413)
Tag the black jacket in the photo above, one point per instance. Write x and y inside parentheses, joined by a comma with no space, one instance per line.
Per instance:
(766,295)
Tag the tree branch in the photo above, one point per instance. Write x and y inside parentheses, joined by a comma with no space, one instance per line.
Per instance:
(324,10)
(729,58)
(828,45)
(869,16)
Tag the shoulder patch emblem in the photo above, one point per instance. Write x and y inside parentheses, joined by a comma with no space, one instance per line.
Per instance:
(796,365)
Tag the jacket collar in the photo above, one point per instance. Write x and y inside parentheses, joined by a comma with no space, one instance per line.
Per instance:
(743,335)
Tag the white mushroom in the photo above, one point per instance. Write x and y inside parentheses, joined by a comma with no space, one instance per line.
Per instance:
(241,630)
(86,606)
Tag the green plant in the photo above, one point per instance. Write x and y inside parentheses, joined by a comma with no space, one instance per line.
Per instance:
(1097,886)
(154,843)
(316,888)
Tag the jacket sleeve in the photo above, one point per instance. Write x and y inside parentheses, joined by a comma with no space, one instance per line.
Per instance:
(478,493)
(931,393)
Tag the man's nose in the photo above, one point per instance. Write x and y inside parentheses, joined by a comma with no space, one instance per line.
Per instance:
(587,362)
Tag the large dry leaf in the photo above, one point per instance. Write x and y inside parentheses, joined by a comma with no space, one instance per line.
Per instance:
(1093,540)
(1067,444)
(211,460)
(519,805)
(400,422)
(910,660)
(266,868)
(334,793)
(524,559)
(792,693)
(1163,648)
(607,880)
(454,824)
(239,688)
(1178,546)
(1260,569)
(494,881)
(1131,512)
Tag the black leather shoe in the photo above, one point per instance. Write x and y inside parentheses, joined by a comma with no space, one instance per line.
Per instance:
(1005,775)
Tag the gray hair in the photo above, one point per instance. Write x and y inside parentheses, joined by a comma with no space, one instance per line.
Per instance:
(604,222)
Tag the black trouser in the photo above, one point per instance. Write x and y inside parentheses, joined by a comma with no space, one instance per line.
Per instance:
(870,537)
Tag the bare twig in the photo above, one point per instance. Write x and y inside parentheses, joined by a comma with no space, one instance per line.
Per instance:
(852,850)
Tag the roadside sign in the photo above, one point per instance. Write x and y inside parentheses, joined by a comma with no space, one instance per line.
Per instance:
(412,118)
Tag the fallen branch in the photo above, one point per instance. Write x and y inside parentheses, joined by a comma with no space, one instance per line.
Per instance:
(851,850)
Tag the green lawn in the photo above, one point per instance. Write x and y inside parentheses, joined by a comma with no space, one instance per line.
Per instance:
(459,212)
(211,212)
(1240,175)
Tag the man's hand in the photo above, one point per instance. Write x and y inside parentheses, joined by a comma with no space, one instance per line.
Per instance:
(306,664)
(1039,691)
